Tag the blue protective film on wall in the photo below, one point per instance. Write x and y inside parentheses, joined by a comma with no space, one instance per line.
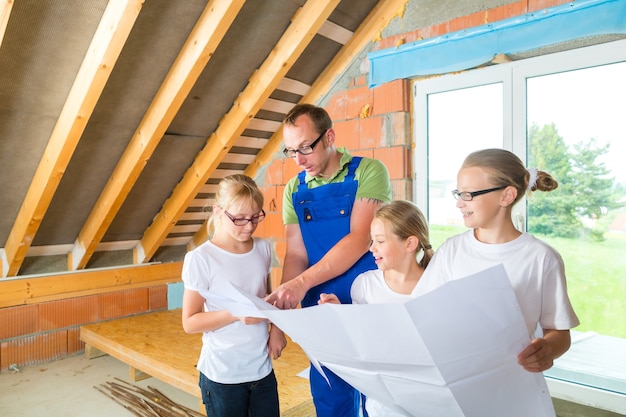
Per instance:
(470,48)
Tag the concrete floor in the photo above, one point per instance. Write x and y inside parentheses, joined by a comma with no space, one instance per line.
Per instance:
(65,388)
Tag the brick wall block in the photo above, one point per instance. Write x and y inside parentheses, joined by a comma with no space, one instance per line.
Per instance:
(69,312)
(271,226)
(290,169)
(371,133)
(396,160)
(358,98)
(397,129)
(391,97)
(157,298)
(274,173)
(123,303)
(337,106)
(402,189)
(74,344)
(34,349)
(347,134)
(18,321)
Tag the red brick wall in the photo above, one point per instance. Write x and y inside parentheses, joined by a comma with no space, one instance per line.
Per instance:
(37,333)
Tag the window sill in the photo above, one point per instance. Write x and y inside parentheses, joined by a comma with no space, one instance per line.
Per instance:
(591,373)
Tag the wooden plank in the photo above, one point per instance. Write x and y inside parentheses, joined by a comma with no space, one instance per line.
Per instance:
(156,344)
(293,86)
(264,125)
(38,289)
(335,32)
(137,375)
(277,106)
(250,142)
(238,158)
(91,352)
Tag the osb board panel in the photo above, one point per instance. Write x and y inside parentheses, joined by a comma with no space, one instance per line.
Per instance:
(156,344)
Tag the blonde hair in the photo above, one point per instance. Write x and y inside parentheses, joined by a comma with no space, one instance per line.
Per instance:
(507,169)
(234,188)
(406,220)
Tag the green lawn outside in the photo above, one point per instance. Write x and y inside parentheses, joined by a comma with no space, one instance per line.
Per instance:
(596,278)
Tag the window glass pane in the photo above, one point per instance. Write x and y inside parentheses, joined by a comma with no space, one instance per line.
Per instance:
(577,133)
(459,122)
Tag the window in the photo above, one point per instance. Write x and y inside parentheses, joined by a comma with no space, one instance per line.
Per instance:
(561,113)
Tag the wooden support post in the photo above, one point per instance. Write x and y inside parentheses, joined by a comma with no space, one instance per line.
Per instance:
(137,375)
(92,352)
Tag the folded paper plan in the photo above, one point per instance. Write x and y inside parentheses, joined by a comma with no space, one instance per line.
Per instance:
(451,352)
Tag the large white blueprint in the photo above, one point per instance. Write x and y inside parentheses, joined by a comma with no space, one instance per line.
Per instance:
(451,352)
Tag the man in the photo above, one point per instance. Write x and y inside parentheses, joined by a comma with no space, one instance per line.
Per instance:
(327,211)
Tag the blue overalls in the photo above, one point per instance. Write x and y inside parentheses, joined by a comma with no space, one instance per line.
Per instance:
(324,217)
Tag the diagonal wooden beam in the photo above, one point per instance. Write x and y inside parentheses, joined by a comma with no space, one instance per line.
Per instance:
(370,29)
(5,12)
(106,45)
(304,25)
(204,39)
(367,32)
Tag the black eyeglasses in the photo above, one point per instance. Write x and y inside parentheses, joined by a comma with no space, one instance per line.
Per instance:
(305,149)
(242,221)
(469,196)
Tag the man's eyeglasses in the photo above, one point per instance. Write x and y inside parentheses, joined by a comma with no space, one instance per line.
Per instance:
(469,196)
(242,221)
(305,149)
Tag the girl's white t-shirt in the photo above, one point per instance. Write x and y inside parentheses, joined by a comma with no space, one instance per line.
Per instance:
(237,352)
(370,288)
(535,270)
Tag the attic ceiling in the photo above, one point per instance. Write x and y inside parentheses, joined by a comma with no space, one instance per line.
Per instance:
(117,118)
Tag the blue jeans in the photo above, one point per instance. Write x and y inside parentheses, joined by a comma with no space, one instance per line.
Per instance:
(247,399)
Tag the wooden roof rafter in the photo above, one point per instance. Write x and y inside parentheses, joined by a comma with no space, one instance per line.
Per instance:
(104,50)
(204,39)
(378,18)
(304,26)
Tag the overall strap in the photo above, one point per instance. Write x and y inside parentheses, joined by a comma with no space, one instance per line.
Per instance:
(352,166)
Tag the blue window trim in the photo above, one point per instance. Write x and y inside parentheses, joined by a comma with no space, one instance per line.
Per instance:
(470,48)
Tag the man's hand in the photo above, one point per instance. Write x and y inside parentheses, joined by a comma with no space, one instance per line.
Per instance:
(289,294)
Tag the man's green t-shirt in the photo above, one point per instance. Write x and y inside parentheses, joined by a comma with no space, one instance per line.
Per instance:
(371,174)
